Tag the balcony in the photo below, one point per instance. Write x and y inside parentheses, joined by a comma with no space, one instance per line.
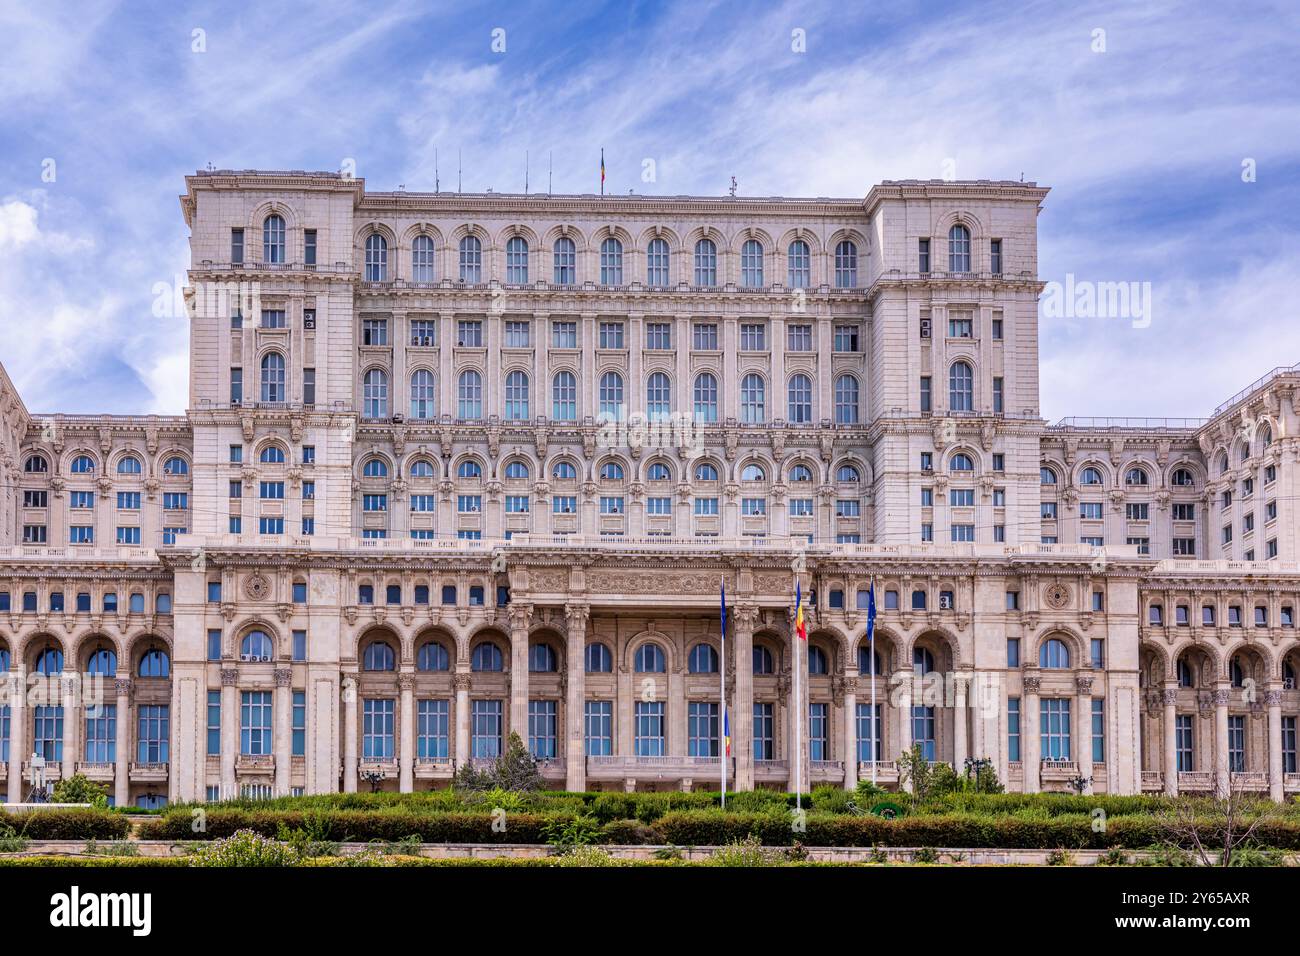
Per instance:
(385,767)
(148,772)
(1059,771)
(552,768)
(1291,782)
(1193,781)
(1251,780)
(99,771)
(886,771)
(658,768)
(254,763)
(433,768)
(826,771)
(771,769)
(1153,781)
(53,771)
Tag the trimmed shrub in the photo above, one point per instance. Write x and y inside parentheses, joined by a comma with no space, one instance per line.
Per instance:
(70,824)
(631,833)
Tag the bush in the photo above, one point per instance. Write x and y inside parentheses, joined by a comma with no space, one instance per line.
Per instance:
(631,833)
(574,831)
(245,848)
(355,826)
(828,799)
(112,848)
(67,824)
(80,789)
(747,852)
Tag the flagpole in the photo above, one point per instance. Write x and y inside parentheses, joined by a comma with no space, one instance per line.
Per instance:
(722,697)
(875,729)
(798,720)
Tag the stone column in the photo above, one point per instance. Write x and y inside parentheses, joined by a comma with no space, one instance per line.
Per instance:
(742,717)
(350,767)
(17,701)
(1171,740)
(959,748)
(1273,698)
(1030,743)
(229,731)
(121,742)
(521,616)
(406,771)
(1221,697)
(1083,726)
(575,751)
(283,730)
(461,682)
(70,699)
(850,729)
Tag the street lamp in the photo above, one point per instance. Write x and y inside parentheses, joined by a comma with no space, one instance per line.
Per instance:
(38,794)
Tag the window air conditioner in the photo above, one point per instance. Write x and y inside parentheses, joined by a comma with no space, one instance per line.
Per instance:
(945,604)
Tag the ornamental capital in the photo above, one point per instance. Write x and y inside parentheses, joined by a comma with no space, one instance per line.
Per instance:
(229,677)
(283,677)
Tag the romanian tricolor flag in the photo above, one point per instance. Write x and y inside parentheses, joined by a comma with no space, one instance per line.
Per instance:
(602,170)
(726,731)
(799,627)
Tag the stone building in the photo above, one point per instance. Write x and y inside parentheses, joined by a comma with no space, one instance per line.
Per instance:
(461,465)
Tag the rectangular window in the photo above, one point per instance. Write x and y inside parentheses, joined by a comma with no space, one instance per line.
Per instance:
(564,335)
(927,497)
(1013,600)
(236,247)
(1013,652)
(1090,510)
(1183,548)
(999,497)
(1098,652)
(374,331)
(517,335)
(424,503)
(923,255)
(152,733)
(706,506)
(598,720)
(1288,745)
(101,733)
(819,736)
(236,454)
(963,533)
(81,500)
(374,502)
(485,728)
(255,723)
(268,525)
(648,729)
(997,395)
(870,733)
(47,726)
(176,501)
(1143,545)
(658,335)
(515,504)
(611,335)
(848,508)
(702,729)
(995,256)
(469,504)
(1184,511)
(214,645)
(1054,724)
(432,729)
(214,723)
(128,501)
(127,535)
(236,386)
(997,330)
(926,399)
(846,338)
(1237,743)
(299,645)
(962,497)
(81,534)
(564,504)
(659,506)
(469,334)
(1185,743)
(377,728)
(1098,730)
(753,507)
(764,733)
(753,337)
(1137,511)
(1013,729)
(960,328)
(542,729)
(923,731)
(309,247)
(298,743)
(273,318)
(611,505)
(308,526)
(798,338)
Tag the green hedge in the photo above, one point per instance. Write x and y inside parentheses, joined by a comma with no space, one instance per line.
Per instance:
(71,824)
(353,825)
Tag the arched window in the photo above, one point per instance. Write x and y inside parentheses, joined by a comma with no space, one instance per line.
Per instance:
(1185,676)
(176,465)
(273,239)
(517,260)
(379,656)
(1182,478)
(273,377)
(375,394)
(657,270)
(816,660)
(566,261)
(598,659)
(423,394)
(517,396)
(751,264)
(469,469)
(800,473)
(846,265)
(1223,463)
(611,396)
(130,465)
(753,399)
(471,260)
(762,660)
(272,455)
(959,249)
(564,397)
(658,397)
(1054,655)
(658,471)
(469,394)
(422,259)
(1090,476)
(564,470)
(374,468)
(422,468)
(611,471)
(922,662)
(706,472)
(799,402)
(517,469)
(848,474)
(753,472)
(376,258)
(706,397)
(50,661)
(486,657)
(83,465)
(961,462)
(1265,437)
(961,387)
(102,661)
(1046,476)
(846,400)
(1136,476)
(432,656)
(865,661)
(611,262)
(155,663)
(706,263)
(36,465)
(650,659)
(541,659)
(798,265)
(256,646)
(703,660)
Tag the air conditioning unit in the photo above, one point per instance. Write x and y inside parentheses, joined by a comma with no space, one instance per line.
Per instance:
(945,603)
(309,322)
(236,403)
(246,657)
(1288,683)
(925,328)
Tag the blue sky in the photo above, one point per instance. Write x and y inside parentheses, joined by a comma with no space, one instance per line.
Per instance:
(1142,143)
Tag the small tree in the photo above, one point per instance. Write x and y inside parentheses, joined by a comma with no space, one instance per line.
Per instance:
(928,780)
(1225,827)
(515,770)
(80,789)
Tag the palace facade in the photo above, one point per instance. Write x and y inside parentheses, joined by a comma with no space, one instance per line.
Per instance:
(456,466)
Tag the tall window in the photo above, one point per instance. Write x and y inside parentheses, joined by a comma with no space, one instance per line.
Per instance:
(923,730)
(611,395)
(751,264)
(1237,743)
(846,400)
(471,259)
(273,377)
(800,399)
(542,729)
(764,731)
(1054,722)
(422,259)
(517,396)
(870,737)
(101,733)
(959,249)
(846,265)
(1185,743)
(422,394)
(377,728)
(432,730)
(611,262)
(706,397)
(598,718)
(152,733)
(47,728)
(753,399)
(255,722)
(485,728)
(656,263)
(376,258)
(648,729)
(961,387)
(273,239)
(566,261)
(819,732)
(798,265)
(1013,729)
(470,395)
(706,263)
(702,729)
(658,398)
(564,397)
(375,394)
(517,260)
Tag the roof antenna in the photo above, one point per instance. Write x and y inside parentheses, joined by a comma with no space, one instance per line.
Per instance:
(549,156)
(211,168)
(733,187)
(1022,175)
(436,182)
